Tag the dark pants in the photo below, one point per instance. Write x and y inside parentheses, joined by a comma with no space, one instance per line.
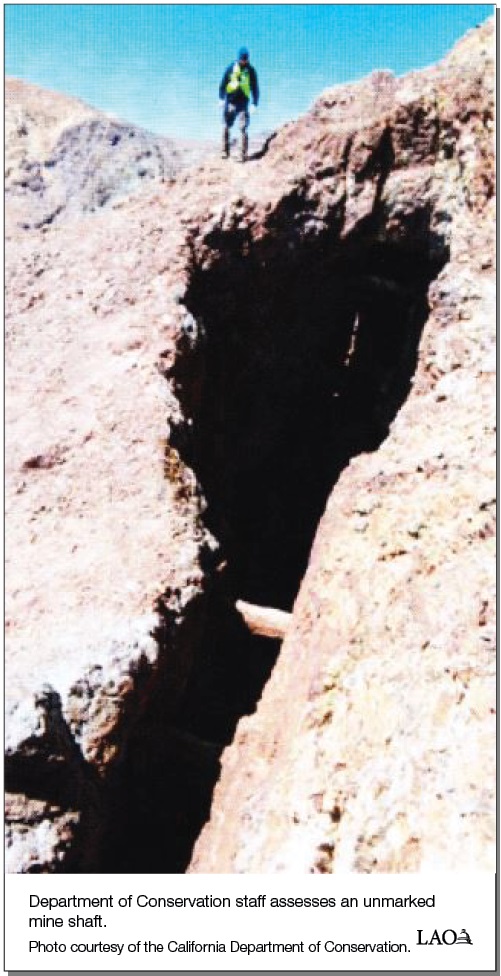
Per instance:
(232,111)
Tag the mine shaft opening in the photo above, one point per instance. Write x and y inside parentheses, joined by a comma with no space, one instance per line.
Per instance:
(306,362)
(302,361)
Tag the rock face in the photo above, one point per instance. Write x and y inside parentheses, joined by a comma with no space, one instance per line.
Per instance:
(64,158)
(200,383)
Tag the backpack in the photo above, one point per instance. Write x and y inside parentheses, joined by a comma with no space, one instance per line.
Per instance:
(239,81)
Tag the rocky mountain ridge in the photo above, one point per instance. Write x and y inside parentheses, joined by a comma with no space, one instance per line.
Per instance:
(64,158)
(236,365)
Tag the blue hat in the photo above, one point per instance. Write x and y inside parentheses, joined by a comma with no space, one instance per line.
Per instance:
(243,54)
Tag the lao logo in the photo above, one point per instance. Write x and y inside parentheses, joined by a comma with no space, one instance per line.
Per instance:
(448,937)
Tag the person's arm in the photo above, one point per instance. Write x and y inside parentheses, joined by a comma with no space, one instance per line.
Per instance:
(224,82)
(254,86)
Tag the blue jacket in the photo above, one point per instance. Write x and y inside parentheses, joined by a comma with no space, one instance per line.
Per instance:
(238,97)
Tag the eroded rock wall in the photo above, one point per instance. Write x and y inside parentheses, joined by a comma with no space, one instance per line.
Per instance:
(99,529)
(373,746)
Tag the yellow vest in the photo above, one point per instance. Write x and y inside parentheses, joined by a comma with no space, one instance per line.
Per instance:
(240,79)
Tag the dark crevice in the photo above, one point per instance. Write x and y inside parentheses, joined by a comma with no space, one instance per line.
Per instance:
(305,357)
(306,363)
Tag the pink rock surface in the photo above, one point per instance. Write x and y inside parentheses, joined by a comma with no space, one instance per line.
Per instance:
(372,748)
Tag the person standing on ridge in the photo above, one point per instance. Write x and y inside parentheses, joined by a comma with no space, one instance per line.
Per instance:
(239,84)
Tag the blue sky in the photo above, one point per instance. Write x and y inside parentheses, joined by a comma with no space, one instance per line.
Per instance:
(159,65)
